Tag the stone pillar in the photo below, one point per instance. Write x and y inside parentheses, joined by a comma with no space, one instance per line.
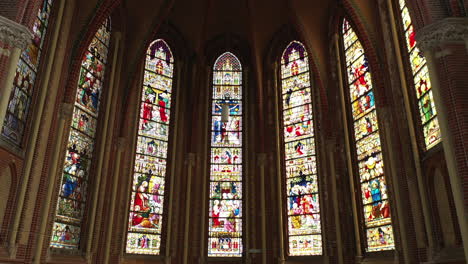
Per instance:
(190,162)
(13,39)
(120,146)
(112,100)
(44,91)
(65,113)
(261,158)
(443,44)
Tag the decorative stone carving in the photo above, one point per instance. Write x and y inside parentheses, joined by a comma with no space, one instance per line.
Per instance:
(448,30)
(13,34)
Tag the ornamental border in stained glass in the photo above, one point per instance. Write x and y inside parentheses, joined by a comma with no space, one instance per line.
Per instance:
(304,221)
(148,188)
(226,204)
(375,203)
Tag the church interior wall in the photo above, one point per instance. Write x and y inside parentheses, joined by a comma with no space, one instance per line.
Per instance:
(259,45)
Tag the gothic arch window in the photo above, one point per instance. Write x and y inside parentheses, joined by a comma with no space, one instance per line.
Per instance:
(25,79)
(225,203)
(375,205)
(148,187)
(422,83)
(81,142)
(304,227)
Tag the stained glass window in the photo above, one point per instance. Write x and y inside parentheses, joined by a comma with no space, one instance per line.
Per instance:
(303,207)
(422,82)
(81,140)
(225,205)
(147,197)
(25,78)
(375,203)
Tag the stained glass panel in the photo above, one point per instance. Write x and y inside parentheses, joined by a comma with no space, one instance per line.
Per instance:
(225,207)
(376,207)
(25,79)
(148,189)
(80,147)
(304,226)
(422,82)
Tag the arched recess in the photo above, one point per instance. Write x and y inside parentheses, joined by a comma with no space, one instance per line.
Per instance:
(9,180)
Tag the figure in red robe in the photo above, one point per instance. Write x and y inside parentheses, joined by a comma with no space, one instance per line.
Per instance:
(162,107)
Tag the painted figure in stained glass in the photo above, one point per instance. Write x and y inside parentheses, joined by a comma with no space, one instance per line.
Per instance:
(304,226)
(225,223)
(147,196)
(422,83)
(376,207)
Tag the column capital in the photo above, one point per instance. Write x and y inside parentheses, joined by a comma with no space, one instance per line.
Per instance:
(448,30)
(13,34)
(66,110)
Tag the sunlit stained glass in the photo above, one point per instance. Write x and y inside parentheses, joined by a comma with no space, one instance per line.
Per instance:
(303,207)
(80,147)
(225,219)
(148,189)
(376,207)
(25,79)
(422,82)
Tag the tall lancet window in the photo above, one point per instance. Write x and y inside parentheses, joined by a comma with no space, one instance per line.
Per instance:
(25,79)
(304,228)
(375,204)
(81,141)
(225,220)
(148,188)
(422,83)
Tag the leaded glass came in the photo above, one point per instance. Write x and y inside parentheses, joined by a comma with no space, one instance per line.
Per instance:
(225,204)
(148,188)
(25,79)
(422,82)
(375,204)
(303,207)
(81,141)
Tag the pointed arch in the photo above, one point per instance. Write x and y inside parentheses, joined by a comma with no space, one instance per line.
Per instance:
(226,164)
(303,206)
(428,121)
(150,168)
(375,205)
(24,83)
(71,206)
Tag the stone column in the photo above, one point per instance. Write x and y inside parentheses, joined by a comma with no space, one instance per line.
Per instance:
(44,91)
(349,156)
(13,39)
(111,100)
(448,74)
(190,162)
(120,146)
(261,158)
(65,113)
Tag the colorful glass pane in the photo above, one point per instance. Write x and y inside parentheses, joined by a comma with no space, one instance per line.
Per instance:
(80,147)
(304,226)
(225,213)
(148,189)
(376,207)
(422,82)
(25,79)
